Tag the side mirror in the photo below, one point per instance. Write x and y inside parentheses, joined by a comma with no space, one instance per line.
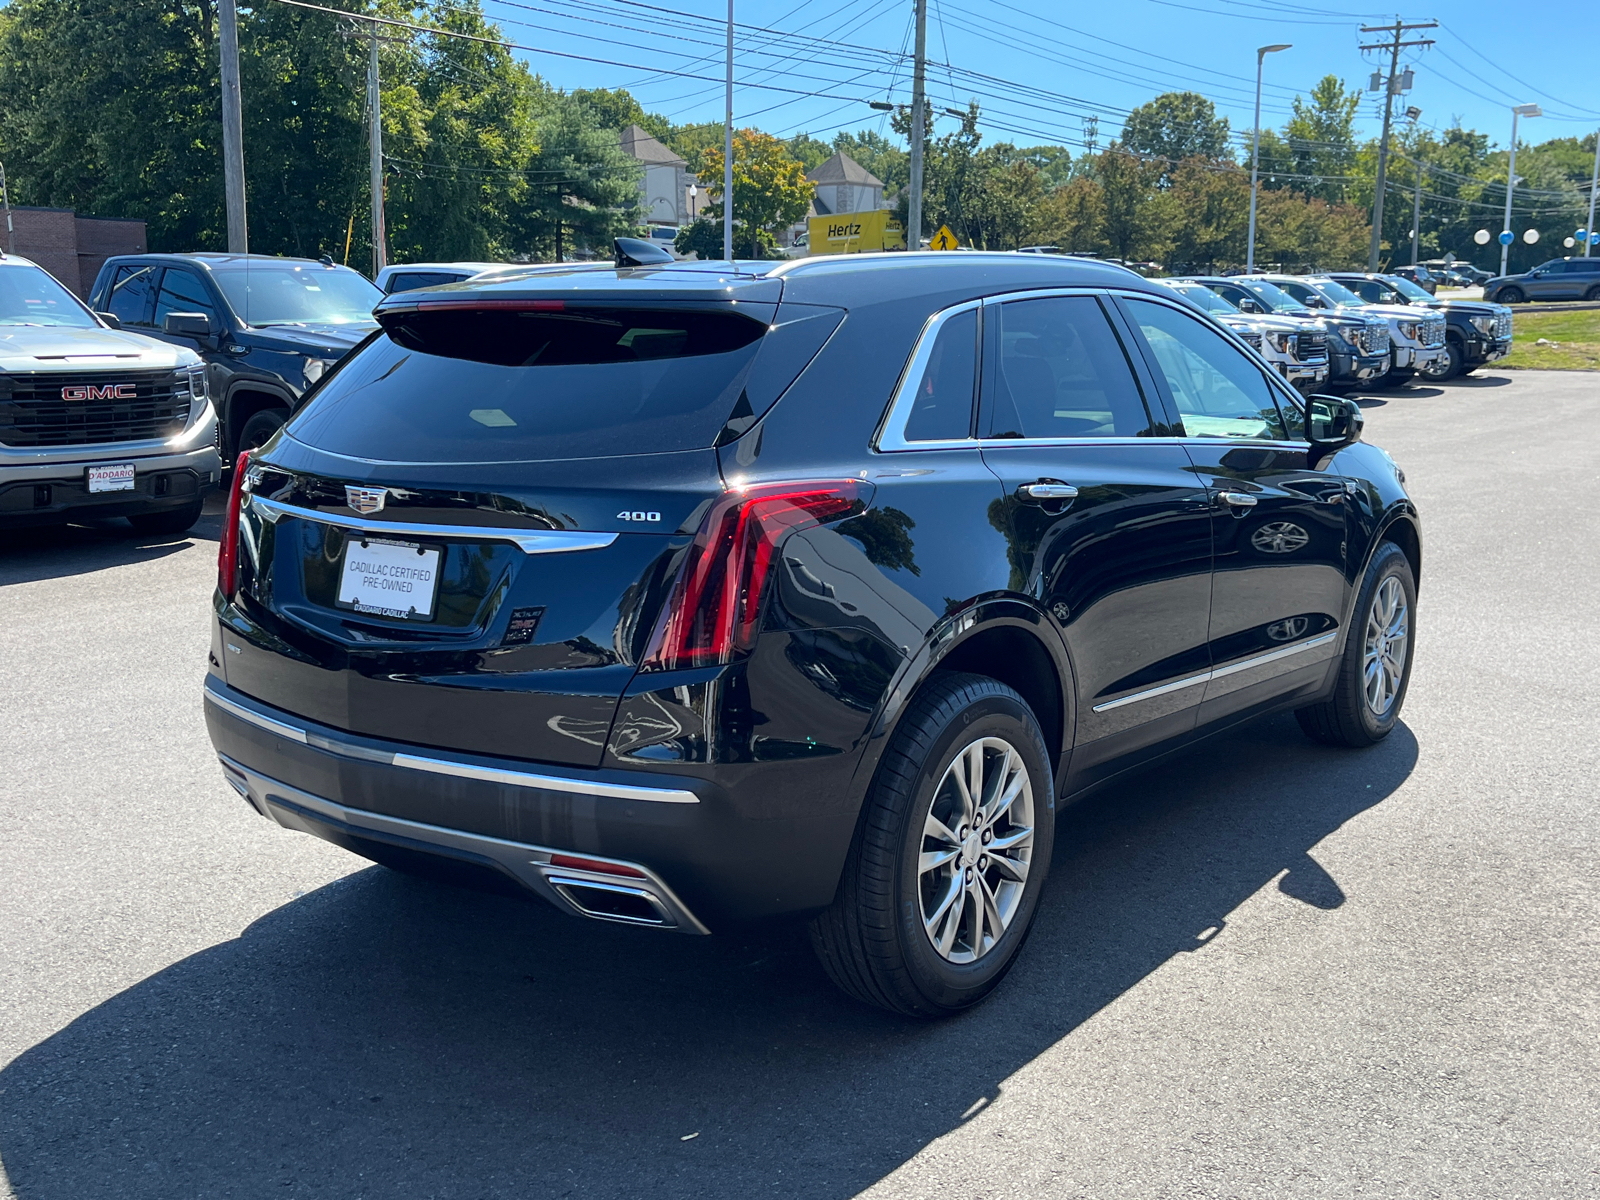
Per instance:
(186,324)
(1332,423)
(1250,306)
(111,319)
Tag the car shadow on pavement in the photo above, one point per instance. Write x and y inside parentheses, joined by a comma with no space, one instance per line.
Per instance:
(57,551)
(387,1037)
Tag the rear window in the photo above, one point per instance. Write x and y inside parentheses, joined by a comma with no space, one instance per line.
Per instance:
(469,385)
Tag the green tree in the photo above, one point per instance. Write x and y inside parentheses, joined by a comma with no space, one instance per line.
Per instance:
(1175,126)
(1214,202)
(1134,224)
(1072,217)
(770,189)
(1321,137)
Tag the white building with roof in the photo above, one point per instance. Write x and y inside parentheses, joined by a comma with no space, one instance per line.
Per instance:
(664,182)
(843,185)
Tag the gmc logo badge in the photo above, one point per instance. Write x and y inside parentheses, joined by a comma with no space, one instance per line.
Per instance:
(110,391)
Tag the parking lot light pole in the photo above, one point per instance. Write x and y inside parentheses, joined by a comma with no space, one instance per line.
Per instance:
(1255,153)
(727,152)
(1521,110)
(1594,185)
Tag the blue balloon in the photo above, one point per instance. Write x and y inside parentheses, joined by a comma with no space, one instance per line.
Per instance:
(1594,238)
(1507,237)
(1581,234)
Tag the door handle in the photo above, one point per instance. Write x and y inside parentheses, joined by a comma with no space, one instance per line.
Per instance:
(1236,499)
(1049,490)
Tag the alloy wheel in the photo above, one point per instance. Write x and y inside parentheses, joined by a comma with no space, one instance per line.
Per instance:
(1388,635)
(977,843)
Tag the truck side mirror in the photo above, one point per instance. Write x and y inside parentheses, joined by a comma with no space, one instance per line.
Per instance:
(1332,423)
(111,319)
(1248,305)
(187,324)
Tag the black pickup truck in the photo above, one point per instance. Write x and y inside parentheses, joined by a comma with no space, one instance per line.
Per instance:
(1475,333)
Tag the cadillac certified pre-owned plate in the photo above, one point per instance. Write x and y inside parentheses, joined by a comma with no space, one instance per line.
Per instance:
(389,579)
(111,477)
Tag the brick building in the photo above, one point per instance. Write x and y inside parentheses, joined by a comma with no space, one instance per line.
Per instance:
(71,247)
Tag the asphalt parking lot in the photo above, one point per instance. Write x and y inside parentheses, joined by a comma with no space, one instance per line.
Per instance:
(1266,969)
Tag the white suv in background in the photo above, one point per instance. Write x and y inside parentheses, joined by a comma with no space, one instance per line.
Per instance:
(95,422)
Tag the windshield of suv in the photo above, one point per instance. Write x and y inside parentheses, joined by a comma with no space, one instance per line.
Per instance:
(1274,297)
(294,295)
(29,296)
(1337,293)
(1409,290)
(1201,295)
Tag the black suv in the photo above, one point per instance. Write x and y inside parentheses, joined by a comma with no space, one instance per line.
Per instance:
(691,596)
(1476,333)
(267,327)
(1558,279)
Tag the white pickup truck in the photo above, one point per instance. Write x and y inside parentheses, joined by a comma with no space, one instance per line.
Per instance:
(95,422)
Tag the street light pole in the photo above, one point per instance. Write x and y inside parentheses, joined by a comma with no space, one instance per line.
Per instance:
(1594,185)
(380,239)
(1255,154)
(1521,110)
(727,152)
(232,128)
(919,108)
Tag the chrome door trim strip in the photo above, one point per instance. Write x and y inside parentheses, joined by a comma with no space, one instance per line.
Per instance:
(1152,693)
(1273,655)
(452,767)
(540,541)
(1220,672)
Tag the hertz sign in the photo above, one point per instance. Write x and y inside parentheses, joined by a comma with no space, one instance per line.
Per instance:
(852,233)
(92,391)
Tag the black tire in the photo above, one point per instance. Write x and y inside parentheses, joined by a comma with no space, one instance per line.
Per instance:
(1509,295)
(169,520)
(872,940)
(1593,294)
(260,427)
(1451,364)
(1345,718)
(1394,378)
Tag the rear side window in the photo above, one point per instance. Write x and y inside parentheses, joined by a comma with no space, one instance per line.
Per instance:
(499,385)
(130,295)
(1061,373)
(943,408)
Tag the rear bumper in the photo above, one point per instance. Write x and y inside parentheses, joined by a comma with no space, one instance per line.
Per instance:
(48,492)
(683,846)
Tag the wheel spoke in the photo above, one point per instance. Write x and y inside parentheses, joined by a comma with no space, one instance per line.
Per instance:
(1013,869)
(951,892)
(1007,798)
(935,828)
(932,860)
(1000,777)
(952,923)
(990,913)
(1018,835)
(974,779)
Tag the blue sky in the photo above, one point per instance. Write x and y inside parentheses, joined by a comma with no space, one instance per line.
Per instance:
(1041,70)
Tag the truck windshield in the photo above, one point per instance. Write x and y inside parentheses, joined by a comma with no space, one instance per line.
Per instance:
(1408,289)
(1275,298)
(273,294)
(1203,296)
(30,296)
(1337,293)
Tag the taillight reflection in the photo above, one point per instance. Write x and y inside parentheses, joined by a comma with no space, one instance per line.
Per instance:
(228,544)
(714,610)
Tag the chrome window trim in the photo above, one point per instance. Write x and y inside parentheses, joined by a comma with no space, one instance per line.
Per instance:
(450,767)
(542,541)
(891,437)
(1219,672)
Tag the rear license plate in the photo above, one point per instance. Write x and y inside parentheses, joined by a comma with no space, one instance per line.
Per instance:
(111,477)
(388,578)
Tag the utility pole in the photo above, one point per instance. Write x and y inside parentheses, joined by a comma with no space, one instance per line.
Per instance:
(11,232)
(919,109)
(727,152)
(1594,185)
(380,240)
(1390,86)
(232,129)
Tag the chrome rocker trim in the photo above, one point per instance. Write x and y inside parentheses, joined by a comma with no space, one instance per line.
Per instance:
(1219,672)
(446,766)
(529,865)
(538,541)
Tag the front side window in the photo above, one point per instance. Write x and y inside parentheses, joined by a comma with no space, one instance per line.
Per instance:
(942,411)
(182,292)
(31,296)
(1219,392)
(1061,373)
(129,301)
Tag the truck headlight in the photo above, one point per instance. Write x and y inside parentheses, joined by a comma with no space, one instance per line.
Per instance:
(1408,330)
(1283,343)
(1484,325)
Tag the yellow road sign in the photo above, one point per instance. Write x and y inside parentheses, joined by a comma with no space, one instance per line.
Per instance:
(944,239)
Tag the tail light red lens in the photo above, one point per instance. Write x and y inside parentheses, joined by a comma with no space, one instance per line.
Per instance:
(714,610)
(228,544)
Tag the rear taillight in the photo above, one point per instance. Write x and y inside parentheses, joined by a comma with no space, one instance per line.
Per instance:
(228,545)
(715,607)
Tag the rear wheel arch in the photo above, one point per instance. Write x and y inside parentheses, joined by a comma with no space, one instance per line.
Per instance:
(244,402)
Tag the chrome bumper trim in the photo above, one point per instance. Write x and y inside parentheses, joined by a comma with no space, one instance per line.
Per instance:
(445,766)
(1220,672)
(530,865)
(538,541)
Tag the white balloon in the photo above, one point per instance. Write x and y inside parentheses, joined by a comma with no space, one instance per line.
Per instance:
(1481,237)
(1570,243)
(1531,236)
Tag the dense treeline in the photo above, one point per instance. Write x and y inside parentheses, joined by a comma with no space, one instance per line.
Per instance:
(112,109)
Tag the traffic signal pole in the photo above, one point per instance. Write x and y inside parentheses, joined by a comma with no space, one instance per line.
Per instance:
(1398,31)
(919,108)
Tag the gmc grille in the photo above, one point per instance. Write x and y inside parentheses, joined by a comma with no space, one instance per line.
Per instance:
(32,412)
(1432,332)
(1502,325)
(1311,347)
(1375,339)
